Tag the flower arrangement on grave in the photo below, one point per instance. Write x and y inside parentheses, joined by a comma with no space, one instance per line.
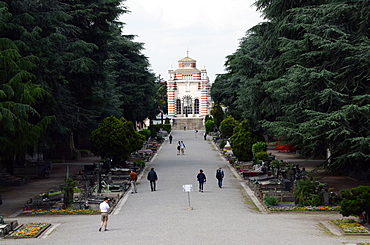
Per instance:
(30,230)
(306,208)
(60,211)
(349,226)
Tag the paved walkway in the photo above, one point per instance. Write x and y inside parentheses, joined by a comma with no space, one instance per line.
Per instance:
(218,216)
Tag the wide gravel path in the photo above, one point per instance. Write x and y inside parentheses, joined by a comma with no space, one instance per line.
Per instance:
(217,216)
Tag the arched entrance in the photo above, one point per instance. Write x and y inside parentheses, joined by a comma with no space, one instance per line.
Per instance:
(188,105)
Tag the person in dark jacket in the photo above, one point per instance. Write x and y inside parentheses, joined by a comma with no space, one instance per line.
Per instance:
(152,177)
(170,138)
(219,176)
(201,179)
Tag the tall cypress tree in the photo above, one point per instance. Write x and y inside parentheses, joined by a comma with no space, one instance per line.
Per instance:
(312,90)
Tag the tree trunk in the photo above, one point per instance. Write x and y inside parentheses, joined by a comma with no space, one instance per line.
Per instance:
(9,166)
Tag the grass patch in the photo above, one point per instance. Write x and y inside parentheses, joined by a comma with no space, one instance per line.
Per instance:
(248,201)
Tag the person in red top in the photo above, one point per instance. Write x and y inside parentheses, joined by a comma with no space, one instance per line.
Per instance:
(133,179)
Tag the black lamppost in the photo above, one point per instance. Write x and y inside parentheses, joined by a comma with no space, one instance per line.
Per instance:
(186,107)
(99,177)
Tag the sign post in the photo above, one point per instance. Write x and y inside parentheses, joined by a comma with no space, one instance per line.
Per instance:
(188,189)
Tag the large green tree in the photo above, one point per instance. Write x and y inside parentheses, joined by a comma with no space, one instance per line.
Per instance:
(217,114)
(20,123)
(242,141)
(134,81)
(161,95)
(115,139)
(302,77)
(88,69)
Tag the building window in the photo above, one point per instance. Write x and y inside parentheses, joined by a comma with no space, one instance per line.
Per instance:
(188,106)
(187,77)
(196,106)
(178,106)
(187,65)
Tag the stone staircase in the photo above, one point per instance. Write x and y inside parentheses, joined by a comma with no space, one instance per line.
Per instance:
(191,123)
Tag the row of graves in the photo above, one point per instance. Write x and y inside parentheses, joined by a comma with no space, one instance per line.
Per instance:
(91,185)
(272,178)
(279,178)
(99,180)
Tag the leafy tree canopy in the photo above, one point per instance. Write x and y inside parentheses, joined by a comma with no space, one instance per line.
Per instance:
(217,114)
(115,139)
(242,141)
(302,77)
(227,126)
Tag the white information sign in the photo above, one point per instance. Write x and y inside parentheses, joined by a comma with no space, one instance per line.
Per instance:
(187,188)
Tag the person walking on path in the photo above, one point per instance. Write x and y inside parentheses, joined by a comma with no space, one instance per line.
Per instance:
(182,147)
(201,179)
(220,175)
(205,136)
(152,177)
(178,147)
(104,209)
(184,127)
(133,179)
(170,138)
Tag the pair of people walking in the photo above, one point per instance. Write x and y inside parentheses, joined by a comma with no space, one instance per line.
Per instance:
(152,177)
(180,147)
(201,177)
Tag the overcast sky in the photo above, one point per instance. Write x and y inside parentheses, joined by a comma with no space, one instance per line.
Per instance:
(210,29)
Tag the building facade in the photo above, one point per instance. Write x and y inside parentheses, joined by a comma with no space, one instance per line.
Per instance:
(188,90)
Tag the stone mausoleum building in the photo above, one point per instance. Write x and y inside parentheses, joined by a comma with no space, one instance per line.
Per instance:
(188,95)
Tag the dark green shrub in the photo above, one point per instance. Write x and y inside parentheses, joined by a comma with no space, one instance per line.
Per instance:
(355,201)
(68,188)
(306,193)
(208,117)
(146,133)
(154,129)
(159,139)
(166,127)
(258,147)
(241,142)
(270,201)
(140,163)
(262,155)
(227,126)
(217,114)
(209,125)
